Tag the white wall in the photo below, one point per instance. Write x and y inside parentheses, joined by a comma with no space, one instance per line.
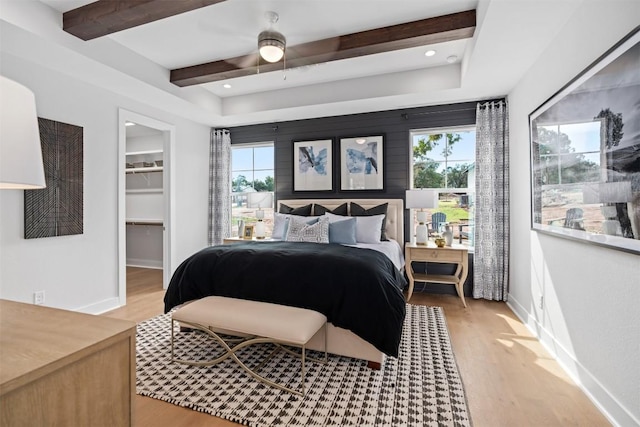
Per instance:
(81,272)
(591,315)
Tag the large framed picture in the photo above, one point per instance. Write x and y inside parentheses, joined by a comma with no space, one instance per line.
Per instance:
(362,163)
(313,165)
(585,154)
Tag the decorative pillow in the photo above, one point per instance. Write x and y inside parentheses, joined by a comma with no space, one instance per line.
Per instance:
(301,211)
(343,231)
(281,224)
(368,228)
(321,210)
(300,231)
(357,210)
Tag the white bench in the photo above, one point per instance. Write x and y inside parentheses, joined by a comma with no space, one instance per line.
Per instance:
(257,322)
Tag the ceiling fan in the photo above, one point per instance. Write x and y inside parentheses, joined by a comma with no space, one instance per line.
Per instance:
(103,17)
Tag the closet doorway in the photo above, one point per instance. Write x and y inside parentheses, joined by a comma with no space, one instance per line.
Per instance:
(144,200)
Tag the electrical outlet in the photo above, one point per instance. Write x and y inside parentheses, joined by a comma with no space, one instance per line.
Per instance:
(38,297)
(541,302)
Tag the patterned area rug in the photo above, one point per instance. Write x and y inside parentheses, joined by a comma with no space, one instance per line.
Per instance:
(420,388)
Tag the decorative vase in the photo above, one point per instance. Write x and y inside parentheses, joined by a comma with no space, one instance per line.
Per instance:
(448,235)
(439,242)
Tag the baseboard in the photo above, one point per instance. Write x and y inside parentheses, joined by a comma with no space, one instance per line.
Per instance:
(144,263)
(617,414)
(100,307)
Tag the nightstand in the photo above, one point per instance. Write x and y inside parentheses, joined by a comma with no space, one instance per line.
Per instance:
(456,254)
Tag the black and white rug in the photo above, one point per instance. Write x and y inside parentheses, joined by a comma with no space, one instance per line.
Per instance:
(420,388)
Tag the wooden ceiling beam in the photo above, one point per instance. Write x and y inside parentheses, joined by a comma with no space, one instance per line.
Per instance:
(105,17)
(440,29)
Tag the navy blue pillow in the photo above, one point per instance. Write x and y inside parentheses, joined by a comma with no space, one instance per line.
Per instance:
(301,211)
(321,210)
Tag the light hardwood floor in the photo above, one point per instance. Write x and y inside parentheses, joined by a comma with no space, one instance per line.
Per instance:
(509,378)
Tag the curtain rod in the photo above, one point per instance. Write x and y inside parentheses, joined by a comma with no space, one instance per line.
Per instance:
(406,116)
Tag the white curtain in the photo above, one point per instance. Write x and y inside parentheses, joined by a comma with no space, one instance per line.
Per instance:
(491,258)
(219,186)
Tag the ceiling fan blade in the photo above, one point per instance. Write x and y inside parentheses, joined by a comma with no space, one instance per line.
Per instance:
(312,52)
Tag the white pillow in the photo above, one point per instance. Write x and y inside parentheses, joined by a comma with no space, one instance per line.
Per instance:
(368,228)
(333,217)
(281,223)
(300,231)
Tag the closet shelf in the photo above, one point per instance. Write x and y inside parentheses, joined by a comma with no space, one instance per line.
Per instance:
(145,191)
(139,153)
(144,170)
(132,221)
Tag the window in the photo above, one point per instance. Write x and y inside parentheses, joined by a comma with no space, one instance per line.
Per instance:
(444,159)
(252,171)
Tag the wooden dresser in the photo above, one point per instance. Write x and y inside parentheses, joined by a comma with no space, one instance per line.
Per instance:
(64,368)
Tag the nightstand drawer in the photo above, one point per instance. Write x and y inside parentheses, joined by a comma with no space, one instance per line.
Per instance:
(437,255)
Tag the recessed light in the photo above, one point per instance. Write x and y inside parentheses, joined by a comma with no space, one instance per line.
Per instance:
(451,59)
(430,53)
(129,124)
(226,86)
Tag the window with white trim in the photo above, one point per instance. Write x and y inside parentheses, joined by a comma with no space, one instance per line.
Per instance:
(444,160)
(252,171)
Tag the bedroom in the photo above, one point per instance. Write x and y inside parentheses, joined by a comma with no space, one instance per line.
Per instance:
(81,272)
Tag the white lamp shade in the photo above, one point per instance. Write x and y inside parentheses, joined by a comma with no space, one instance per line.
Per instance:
(260,200)
(421,199)
(20,149)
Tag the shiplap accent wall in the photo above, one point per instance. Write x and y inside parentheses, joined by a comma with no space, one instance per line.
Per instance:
(395,125)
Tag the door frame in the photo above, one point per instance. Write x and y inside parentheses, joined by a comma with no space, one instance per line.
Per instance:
(168,185)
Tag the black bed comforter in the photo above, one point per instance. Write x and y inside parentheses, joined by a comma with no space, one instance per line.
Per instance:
(357,289)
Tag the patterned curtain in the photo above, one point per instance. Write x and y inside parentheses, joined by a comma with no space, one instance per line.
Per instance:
(219,186)
(491,258)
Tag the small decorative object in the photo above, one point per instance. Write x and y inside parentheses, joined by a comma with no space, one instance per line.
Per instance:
(247,232)
(440,242)
(240,228)
(447,234)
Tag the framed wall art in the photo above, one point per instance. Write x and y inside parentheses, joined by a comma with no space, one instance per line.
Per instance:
(362,163)
(585,154)
(57,210)
(313,165)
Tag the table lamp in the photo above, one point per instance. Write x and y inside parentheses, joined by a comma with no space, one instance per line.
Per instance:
(20,151)
(260,200)
(421,199)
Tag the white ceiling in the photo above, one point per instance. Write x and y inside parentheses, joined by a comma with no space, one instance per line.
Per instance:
(510,34)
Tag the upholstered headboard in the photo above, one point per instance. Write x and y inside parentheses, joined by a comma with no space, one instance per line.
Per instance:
(395,212)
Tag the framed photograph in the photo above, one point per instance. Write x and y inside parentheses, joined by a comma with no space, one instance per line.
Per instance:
(247,232)
(362,163)
(313,165)
(585,154)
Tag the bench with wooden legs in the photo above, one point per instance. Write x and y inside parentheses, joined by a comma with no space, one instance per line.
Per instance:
(255,322)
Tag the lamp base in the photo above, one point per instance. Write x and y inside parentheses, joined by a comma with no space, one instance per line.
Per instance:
(260,231)
(421,234)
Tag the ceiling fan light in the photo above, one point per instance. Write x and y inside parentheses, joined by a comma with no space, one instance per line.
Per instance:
(271,45)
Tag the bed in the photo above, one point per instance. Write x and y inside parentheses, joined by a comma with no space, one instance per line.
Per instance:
(365,306)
